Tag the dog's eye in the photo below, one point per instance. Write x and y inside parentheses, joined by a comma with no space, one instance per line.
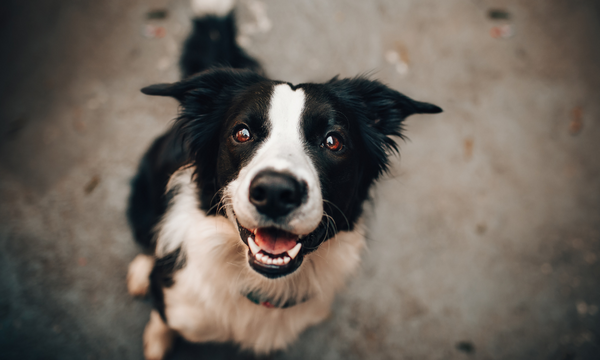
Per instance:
(242,134)
(333,142)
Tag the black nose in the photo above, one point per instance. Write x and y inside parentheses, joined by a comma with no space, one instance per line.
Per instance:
(276,194)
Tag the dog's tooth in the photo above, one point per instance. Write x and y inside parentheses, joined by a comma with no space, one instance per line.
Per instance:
(270,261)
(253,247)
(286,259)
(279,261)
(294,252)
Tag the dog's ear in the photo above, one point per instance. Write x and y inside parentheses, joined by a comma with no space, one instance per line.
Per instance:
(205,100)
(175,90)
(380,112)
(204,84)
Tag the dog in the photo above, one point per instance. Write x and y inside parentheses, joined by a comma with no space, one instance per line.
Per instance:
(250,206)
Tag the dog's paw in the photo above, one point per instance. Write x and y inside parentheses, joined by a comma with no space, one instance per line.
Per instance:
(158,338)
(138,276)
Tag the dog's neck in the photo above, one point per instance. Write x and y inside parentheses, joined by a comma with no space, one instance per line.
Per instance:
(215,253)
(258,299)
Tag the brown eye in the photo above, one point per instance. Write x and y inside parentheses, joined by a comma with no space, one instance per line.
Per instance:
(242,134)
(333,143)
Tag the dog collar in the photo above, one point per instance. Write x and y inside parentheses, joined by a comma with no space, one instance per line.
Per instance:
(258,299)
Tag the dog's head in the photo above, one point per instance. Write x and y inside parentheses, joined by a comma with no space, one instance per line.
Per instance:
(290,165)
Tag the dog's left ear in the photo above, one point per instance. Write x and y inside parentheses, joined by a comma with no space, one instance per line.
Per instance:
(380,112)
(205,99)
(175,90)
(382,104)
(208,83)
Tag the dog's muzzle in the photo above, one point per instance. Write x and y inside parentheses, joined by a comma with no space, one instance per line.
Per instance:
(275,194)
(274,252)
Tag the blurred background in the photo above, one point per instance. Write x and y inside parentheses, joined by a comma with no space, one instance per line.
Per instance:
(484,240)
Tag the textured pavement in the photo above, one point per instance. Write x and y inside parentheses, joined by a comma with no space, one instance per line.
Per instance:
(484,241)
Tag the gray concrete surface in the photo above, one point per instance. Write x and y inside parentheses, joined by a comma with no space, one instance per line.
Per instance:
(484,240)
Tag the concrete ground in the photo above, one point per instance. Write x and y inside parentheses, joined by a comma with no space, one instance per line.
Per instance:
(484,241)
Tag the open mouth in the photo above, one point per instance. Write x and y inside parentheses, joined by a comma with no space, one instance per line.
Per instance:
(272,252)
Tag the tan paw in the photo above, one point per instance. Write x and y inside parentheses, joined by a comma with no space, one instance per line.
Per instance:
(158,338)
(138,276)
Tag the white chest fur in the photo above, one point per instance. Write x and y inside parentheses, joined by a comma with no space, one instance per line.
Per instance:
(206,302)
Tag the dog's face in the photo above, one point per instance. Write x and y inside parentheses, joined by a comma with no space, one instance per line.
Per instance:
(289,165)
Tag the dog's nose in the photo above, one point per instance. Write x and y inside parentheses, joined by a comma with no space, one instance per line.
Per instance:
(276,194)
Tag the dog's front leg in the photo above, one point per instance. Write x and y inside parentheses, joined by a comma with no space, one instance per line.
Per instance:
(138,276)
(158,338)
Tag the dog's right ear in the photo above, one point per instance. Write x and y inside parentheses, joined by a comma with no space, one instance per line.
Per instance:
(205,99)
(206,84)
(175,90)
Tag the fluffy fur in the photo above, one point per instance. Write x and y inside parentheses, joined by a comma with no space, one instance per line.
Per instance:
(251,205)
(206,302)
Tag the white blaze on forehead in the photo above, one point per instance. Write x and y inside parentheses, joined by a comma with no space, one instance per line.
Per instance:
(286,110)
(283,150)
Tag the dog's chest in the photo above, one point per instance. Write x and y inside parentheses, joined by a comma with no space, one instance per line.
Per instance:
(216,313)
(207,300)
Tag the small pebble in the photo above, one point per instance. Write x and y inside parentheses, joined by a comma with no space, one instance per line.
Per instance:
(465,346)
(576,123)
(92,184)
(154,32)
(498,14)
(157,14)
(505,31)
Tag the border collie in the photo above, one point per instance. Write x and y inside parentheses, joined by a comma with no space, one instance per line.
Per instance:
(250,206)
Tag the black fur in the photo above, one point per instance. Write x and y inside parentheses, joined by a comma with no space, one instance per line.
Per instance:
(162,277)
(211,103)
(212,43)
(366,114)
(369,115)
(147,202)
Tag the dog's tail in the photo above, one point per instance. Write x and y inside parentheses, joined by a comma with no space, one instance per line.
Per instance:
(212,42)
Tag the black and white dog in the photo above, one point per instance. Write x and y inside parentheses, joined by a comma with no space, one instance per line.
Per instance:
(251,204)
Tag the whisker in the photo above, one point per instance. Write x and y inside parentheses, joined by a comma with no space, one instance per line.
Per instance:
(217,204)
(340,210)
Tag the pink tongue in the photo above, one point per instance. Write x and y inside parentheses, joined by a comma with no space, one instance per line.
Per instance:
(275,242)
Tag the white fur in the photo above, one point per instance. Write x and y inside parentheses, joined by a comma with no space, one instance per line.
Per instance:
(212,7)
(283,151)
(206,302)
(138,275)
(168,230)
